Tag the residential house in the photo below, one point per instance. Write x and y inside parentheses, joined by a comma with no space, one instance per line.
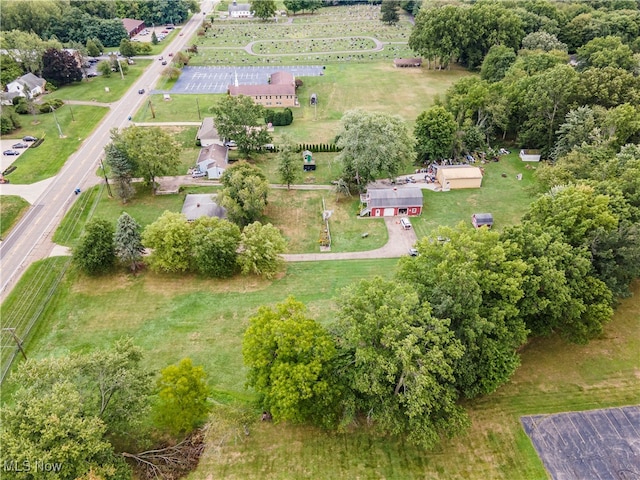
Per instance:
(213,160)
(201,205)
(207,133)
(279,92)
(391,202)
(28,85)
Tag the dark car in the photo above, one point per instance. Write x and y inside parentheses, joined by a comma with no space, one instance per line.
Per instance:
(164,62)
(141,91)
(92,74)
(11,152)
(19,145)
(29,138)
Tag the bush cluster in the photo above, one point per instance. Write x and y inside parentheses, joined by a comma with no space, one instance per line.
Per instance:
(279,118)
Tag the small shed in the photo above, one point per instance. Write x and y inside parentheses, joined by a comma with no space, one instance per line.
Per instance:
(482,220)
(308,163)
(391,202)
(407,62)
(530,155)
(458,176)
(202,205)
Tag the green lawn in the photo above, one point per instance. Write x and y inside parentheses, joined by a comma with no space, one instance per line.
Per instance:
(505,197)
(11,209)
(93,89)
(76,122)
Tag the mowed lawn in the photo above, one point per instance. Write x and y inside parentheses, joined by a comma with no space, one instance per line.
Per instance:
(376,86)
(12,208)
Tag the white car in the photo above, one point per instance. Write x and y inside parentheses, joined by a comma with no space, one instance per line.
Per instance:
(198,174)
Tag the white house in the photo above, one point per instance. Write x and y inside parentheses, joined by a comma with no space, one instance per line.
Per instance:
(240,10)
(28,85)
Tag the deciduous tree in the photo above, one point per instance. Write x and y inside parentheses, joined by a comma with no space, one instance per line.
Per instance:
(182,392)
(263,9)
(398,363)
(244,193)
(152,150)
(214,247)
(290,359)
(95,253)
(241,120)
(260,250)
(373,145)
(60,67)
(169,237)
(496,63)
(470,277)
(290,165)
(435,132)
(389,11)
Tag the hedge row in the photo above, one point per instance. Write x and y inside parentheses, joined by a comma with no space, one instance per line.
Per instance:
(318,147)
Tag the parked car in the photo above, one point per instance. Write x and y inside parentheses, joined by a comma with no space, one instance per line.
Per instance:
(413,252)
(29,138)
(198,174)
(11,152)
(20,145)
(92,74)
(141,91)
(164,62)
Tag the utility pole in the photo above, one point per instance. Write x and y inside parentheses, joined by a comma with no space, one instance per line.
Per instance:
(120,68)
(71,110)
(56,119)
(106,179)
(12,331)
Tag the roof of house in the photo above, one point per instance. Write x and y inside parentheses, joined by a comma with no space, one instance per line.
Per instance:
(201,205)
(131,24)
(394,197)
(451,172)
(282,83)
(207,129)
(213,153)
(31,81)
(240,7)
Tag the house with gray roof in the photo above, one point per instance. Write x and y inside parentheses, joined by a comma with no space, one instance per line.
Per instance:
(201,205)
(240,10)
(28,85)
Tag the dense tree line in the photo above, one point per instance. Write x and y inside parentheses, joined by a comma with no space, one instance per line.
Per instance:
(78,21)
(80,413)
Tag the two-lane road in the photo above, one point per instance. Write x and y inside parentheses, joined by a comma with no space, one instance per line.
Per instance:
(30,240)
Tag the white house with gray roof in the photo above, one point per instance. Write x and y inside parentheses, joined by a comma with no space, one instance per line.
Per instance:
(28,85)
(240,10)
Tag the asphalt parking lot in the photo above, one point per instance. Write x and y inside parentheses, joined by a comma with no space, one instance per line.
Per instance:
(218,79)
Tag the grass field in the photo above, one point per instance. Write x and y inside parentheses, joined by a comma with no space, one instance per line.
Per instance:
(76,122)
(11,209)
(93,90)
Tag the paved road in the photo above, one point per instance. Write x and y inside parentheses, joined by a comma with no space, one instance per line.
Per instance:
(30,240)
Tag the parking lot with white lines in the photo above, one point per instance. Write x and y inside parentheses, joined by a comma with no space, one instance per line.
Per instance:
(218,79)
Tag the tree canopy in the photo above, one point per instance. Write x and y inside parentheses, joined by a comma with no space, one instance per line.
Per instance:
(373,145)
(397,362)
(260,250)
(244,193)
(95,253)
(290,359)
(241,120)
(435,133)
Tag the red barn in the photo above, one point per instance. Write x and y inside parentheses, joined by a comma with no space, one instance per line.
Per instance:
(390,202)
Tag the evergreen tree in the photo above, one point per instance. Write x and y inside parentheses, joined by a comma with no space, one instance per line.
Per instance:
(128,241)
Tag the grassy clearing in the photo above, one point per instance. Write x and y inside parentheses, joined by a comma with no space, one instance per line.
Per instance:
(505,197)
(554,377)
(181,108)
(76,122)
(11,209)
(298,215)
(93,90)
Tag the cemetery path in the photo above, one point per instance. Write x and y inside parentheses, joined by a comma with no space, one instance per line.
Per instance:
(378,47)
